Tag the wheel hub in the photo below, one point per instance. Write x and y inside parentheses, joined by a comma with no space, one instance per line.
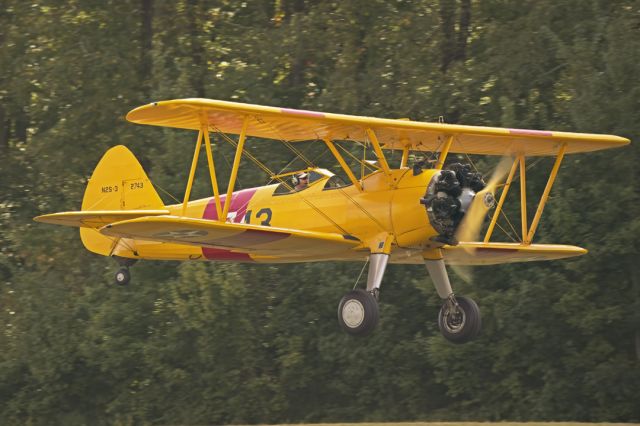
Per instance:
(454,321)
(353,313)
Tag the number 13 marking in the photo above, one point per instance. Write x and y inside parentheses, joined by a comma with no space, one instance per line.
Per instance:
(265,212)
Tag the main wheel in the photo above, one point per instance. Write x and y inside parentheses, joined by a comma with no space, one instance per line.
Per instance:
(123,276)
(358,312)
(461,324)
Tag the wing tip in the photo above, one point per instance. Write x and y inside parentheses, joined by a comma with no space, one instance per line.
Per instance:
(40,218)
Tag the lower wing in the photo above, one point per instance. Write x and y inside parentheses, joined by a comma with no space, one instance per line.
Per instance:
(467,253)
(238,237)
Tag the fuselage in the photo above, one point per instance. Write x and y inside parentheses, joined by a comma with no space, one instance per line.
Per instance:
(387,204)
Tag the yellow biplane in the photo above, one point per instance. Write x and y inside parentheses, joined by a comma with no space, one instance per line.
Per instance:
(429,213)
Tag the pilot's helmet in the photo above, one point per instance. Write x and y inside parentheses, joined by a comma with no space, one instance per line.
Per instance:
(297,179)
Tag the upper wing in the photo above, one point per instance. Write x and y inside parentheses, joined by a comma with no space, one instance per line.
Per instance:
(297,125)
(468,253)
(95,218)
(239,237)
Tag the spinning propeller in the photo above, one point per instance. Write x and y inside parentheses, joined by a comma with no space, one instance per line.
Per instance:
(471,225)
(469,228)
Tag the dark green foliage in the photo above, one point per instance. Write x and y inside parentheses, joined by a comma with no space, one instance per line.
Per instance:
(213,343)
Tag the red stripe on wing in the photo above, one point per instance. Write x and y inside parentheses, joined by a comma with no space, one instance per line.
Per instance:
(248,238)
(303,112)
(527,132)
(222,254)
(252,237)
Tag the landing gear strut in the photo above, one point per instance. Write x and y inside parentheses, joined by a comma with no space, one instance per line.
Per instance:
(358,310)
(459,318)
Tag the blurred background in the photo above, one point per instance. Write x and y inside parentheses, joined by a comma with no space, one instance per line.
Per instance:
(233,343)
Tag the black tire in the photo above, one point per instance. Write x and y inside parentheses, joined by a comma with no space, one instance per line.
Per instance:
(358,312)
(123,276)
(463,326)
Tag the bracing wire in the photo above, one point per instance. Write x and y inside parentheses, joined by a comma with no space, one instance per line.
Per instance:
(432,156)
(226,160)
(286,166)
(508,234)
(310,164)
(297,152)
(361,272)
(96,203)
(303,157)
(288,144)
(270,173)
(167,193)
(362,163)
(516,179)
(510,224)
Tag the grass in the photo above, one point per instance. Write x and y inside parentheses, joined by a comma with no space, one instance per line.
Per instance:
(468,424)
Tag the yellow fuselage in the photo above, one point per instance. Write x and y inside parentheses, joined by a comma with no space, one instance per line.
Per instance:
(387,207)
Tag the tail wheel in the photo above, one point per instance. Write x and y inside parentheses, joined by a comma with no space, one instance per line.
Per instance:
(461,323)
(123,276)
(358,312)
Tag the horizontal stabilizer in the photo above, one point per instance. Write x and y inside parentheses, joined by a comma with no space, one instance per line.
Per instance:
(468,253)
(95,219)
(239,237)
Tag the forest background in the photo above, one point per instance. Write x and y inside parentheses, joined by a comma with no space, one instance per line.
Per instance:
(233,343)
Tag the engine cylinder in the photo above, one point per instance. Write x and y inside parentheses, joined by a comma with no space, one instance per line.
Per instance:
(449,195)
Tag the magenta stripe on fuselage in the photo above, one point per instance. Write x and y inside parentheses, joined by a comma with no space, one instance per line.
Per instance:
(239,203)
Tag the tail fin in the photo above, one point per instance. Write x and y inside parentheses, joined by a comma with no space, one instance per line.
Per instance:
(118,183)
